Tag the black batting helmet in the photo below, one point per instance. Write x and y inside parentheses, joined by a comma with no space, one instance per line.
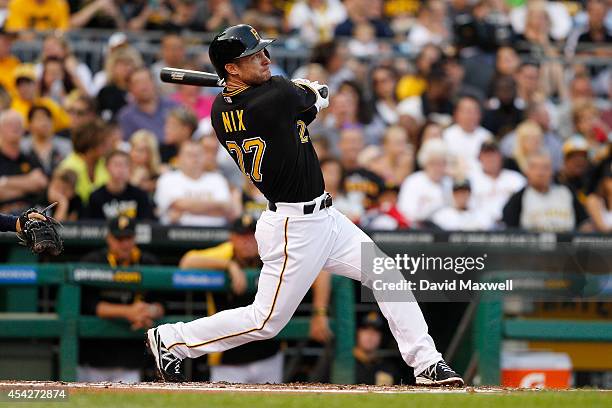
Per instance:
(235,42)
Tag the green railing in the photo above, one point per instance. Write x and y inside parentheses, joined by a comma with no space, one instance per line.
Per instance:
(68,325)
(492,327)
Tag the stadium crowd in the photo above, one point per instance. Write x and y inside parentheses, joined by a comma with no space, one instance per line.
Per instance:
(455,115)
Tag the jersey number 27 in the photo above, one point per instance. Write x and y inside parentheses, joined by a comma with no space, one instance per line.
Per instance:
(255,146)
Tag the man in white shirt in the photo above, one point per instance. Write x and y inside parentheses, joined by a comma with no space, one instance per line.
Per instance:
(426,191)
(461,216)
(465,136)
(492,185)
(315,20)
(543,206)
(190,195)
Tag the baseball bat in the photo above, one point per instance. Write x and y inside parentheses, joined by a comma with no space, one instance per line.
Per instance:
(200,78)
(189,77)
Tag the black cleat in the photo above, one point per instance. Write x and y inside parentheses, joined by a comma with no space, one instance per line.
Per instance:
(439,374)
(169,367)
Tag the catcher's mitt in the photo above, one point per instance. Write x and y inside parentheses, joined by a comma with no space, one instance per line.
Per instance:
(40,236)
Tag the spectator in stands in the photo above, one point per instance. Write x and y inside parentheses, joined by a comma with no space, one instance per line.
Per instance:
(90,143)
(191,196)
(430,130)
(415,83)
(543,206)
(38,15)
(137,309)
(5,99)
(118,67)
(321,145)
(529,140)
(42,145)
(428,190)
(370,367)
(145,161)
(56,46)
(599,202)
(492,185)
(180,125)
(363,44)
(357,179)
(265,17)
(537,113)
(581,94)
(507,63)
(115,42)
(464,137)
(538,43)
(576,167)
(142,14)
(62,190)
(349,204)
(333,57)
(385,215)
(532,19)
(396,161)
(56,82)
(118,197)
(502,115)
(360,11)
(193,98)
(384,83)
(248,200)
(348,109)
(220,14)
(480,28)
(588,124)
(259,362)
(595,34)
(20,180)
(527,84)
(81,109)
(25,98)
(430,27)
(172,53)
(461,215)
(97,14)
(147,109)
(434,104)
(315,20)
(211,153)
(462,83)
(8,61)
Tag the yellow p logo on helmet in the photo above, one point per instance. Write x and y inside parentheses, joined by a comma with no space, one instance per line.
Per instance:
(255,34)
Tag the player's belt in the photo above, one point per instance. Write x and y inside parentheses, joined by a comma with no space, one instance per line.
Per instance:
(310,207)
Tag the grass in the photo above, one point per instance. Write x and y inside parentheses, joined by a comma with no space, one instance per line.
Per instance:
(580,399)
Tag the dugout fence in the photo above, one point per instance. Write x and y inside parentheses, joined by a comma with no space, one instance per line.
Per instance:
(68,325)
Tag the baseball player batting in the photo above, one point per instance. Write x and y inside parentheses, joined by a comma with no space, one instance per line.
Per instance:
(262,122)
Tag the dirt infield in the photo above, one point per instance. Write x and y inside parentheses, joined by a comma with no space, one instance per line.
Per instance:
(207,387)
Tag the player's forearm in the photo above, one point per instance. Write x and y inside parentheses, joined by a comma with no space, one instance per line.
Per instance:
(202,207)
(82,17)
(61,211)
(321,289)
(13,187)
(8,223)
(107,310)
(202,262)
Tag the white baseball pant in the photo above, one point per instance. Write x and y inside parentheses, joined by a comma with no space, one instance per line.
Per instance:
(294,248)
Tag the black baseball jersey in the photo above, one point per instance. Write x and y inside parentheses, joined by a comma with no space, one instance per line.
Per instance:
(264,129)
